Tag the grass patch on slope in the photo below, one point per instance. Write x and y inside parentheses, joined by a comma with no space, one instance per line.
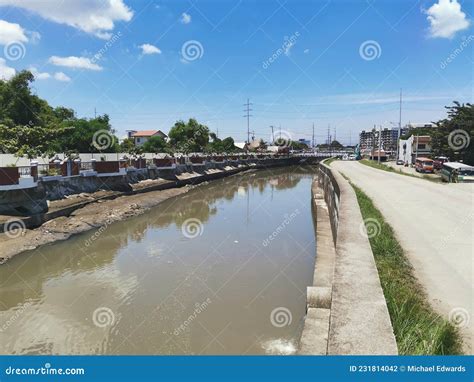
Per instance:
(418,329)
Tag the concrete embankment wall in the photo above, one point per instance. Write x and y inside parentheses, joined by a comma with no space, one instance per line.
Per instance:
(128,184)
(347,311)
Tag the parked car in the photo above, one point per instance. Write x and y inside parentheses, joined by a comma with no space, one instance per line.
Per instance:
(400,162)
(439,161)
(423,164)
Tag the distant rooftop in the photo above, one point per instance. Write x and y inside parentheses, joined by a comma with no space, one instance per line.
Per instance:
(146,133)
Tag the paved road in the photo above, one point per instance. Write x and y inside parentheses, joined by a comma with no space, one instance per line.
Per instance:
(435,225)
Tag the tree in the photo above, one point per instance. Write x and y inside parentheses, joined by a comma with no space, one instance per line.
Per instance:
(189,137)
(155,144)
(219,146)
(297,145)
(30,141)
(90,135)
(128,146)
(454,136)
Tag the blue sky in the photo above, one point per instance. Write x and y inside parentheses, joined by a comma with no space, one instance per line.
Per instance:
(332,63)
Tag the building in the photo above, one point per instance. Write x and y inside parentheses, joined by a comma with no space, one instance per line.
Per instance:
(306,142)
(413,147)
(140,137)
(387,138)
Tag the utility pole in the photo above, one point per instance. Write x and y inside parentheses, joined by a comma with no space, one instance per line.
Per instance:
(95,113)
(380,142)
(217,133)
(312,140)
(399,125)
(280,132)
(273,137)
(247,115)
(373,142)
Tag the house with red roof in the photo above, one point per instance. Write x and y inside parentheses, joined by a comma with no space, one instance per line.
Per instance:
(141,136)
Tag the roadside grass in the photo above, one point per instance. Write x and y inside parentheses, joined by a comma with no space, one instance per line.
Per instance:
(418,329)
(328,162)
(384,167)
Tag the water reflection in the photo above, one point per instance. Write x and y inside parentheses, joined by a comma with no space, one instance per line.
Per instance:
(155,280)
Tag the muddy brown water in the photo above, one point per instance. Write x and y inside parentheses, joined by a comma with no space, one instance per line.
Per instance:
(222,269)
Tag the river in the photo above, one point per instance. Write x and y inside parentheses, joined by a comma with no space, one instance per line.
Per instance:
(222,269)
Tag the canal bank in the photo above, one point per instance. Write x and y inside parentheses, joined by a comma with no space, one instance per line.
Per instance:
(83,212)
(224,271)
(346,308)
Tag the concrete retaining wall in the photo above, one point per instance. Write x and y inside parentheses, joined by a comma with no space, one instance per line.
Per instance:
(347,311)
(31,207)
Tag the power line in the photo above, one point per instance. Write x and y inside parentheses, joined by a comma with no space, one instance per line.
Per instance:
(247,115)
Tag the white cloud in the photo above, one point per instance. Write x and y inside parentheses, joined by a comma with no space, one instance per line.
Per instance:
(60,76)
(5,71)
(10,32)
(96,17)
(185,18)
(39,75)
(74,62)
(149,49)
(306,51)
(446,18)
